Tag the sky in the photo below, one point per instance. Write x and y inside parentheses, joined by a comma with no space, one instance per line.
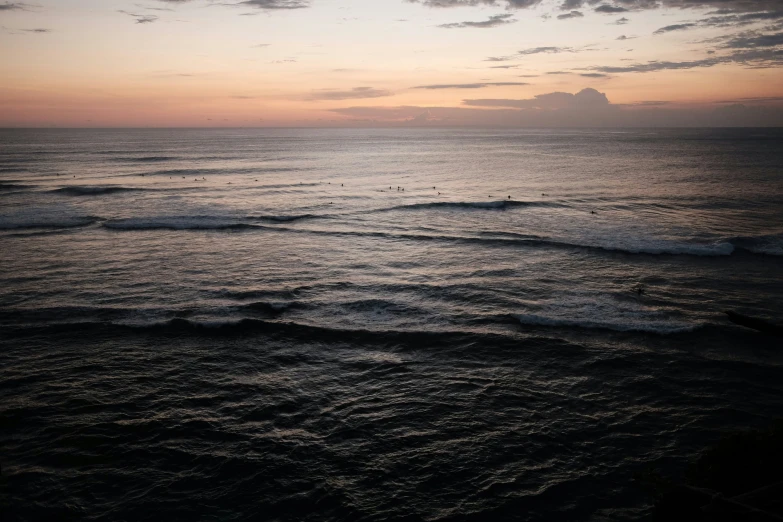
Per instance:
(256,63)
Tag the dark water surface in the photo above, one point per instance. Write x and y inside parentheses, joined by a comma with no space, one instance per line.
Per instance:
(252,325)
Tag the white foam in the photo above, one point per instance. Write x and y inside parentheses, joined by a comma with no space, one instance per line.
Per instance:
(604,311)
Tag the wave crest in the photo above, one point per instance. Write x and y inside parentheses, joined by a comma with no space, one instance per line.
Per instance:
(283,218)
(179,223)
(95,191)
(471,205)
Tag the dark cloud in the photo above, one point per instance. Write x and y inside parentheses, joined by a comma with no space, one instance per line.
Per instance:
(725,6)
(730,19)
(153,8)
(492,21)
(568,5)
(758,58)
(140,18)
(659,66)
(621,21)
(37,30)
(468,85)
(674,27)
(276,4)
(610,9)
(352,94)
(510,4)
(260,4)
(572,14)
(532,50)
(755,40)
(546,50)
(594,75)
(14,6)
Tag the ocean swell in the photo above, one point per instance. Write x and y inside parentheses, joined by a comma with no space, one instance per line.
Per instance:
(95,191)
(179,223)
(503,204)
(284,218)
(609,323)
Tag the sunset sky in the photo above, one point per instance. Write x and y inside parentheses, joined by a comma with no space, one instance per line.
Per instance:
(94,63)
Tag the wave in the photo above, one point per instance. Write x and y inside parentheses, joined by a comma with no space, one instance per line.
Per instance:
(95,190)
(284,218)
(146,159)
(202,222)
(651,247)
(186,172)
(179,223)
(610,323)
(241,327)
(658,247)
(771,245)
(720,248)
(16,222)
(269,308)
(14,186)
(474,205)
(216,171)
(287,185)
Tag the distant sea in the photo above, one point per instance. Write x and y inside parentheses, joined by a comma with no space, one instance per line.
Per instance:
(378,324)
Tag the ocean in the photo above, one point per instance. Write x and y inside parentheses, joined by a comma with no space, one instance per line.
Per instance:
(379,324)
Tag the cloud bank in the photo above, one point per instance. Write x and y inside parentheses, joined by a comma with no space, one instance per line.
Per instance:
(586,108)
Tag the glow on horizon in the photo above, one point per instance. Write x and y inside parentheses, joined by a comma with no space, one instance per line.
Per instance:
(74,63)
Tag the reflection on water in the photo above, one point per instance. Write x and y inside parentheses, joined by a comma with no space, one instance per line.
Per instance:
(378,324)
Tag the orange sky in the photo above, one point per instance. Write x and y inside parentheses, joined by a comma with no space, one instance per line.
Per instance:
(350,62)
